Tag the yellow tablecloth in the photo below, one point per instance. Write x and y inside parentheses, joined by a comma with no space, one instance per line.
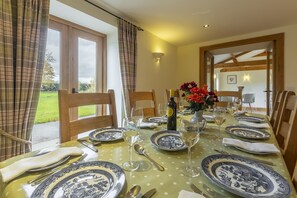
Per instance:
(169,182)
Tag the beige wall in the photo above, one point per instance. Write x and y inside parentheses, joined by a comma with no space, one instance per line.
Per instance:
(188,55)
(151,74)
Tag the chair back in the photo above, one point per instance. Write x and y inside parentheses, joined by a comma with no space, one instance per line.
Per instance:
(69,129)
(294,177)
(228,96)
(286,133)
(248,98)
(176,96)
(276,109)
(144,96)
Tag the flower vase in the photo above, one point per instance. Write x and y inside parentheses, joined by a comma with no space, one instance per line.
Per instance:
(198,117)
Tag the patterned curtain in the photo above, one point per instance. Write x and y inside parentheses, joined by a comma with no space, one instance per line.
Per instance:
(127,47)
(23,32)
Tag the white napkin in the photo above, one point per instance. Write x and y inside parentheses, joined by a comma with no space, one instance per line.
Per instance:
(254,147)
(255,125)
(238,113)
(150,125)
(187,194)
(19,167)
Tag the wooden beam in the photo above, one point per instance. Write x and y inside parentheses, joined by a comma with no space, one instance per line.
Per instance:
(228,59)
(245,68)
(234,58)
(243,63)
(261,54)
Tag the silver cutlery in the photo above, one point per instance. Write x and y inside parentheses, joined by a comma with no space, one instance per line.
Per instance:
(88,145)
(249,158)
(133,192)
(212,192)
(140,150)
(43,176)
(149,193)
(197,190)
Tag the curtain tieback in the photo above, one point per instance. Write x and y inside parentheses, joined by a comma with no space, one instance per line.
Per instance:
(14,138)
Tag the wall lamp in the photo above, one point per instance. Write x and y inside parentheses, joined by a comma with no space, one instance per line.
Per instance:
(157,56)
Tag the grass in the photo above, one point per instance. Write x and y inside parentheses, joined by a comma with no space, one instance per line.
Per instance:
(48,108)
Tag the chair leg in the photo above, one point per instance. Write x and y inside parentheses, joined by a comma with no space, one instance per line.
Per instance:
(251,107)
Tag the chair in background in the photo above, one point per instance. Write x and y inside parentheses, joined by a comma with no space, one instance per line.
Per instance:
(248,98)
(276,109)
(144,96)
(228,96)
(294,176)
(286,133)
(69,129)
(176,96)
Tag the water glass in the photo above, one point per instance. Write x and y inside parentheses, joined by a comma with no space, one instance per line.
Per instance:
(219,118)
(189,132)
(137,118)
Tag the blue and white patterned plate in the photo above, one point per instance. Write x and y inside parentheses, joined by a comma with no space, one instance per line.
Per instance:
(107,134)
(253,119)
(247,132)
(89,179)
(168,140)
(244,177)
(159,120)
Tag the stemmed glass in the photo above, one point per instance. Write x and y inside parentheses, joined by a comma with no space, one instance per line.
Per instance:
(130,136)
(137,118)
(189,132)
(237,103)
(219,118)
(231,108)
(162,108)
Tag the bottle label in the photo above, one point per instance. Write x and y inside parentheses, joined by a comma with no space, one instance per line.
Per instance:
(169,112)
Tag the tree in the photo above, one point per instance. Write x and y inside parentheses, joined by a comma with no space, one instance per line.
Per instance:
(48,83)
(48,70)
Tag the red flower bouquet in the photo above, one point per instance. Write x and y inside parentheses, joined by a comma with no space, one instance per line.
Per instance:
(198,98)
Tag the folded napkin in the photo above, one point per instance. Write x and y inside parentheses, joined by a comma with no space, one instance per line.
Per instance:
(238,113)
(254,147)
(150,125)
(255,125)
(19,167)
(187,194)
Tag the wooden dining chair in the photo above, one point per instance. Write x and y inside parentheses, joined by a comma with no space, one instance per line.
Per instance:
(143,97)
(225,97)
(286,133)
(176,96)
(294,176)
(69,129)
(276,109)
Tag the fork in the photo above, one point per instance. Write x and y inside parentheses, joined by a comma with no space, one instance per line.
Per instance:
(43,176)
(197,190)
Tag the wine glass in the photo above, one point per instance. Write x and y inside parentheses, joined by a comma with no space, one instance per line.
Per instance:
(231,108)
(189,132)
(130,135)
(237,103)
(162,108)
(137,118)
(219,118)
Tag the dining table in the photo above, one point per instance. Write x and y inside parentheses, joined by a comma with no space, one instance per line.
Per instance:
(168,183)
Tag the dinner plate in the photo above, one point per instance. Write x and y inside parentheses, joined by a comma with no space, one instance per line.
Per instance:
(253,119)
(168,140)
(245,177)
(159,120)
(248,133)
(89,179)
(208,118)
(49,166)
(107,134)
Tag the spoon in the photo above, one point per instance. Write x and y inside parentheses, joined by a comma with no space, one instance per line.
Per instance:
(140,150)
(133,192)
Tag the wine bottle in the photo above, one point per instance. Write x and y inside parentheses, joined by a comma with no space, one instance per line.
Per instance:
(171,112)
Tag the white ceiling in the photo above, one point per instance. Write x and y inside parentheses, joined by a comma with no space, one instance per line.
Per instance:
(180,21)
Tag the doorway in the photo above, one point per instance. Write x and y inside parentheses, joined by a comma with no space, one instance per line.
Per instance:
(274,49)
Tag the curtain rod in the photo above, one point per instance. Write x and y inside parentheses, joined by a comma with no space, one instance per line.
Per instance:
(138,28)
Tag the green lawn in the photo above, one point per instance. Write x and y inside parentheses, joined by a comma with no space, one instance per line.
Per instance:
(48,108)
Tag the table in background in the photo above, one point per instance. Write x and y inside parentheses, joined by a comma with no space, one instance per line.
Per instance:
(169,182)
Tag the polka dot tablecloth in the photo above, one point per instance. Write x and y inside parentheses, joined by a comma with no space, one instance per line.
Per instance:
(169,182)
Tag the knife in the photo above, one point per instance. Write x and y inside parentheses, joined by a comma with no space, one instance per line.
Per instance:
(197,190)
(149,193)
(83,142)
